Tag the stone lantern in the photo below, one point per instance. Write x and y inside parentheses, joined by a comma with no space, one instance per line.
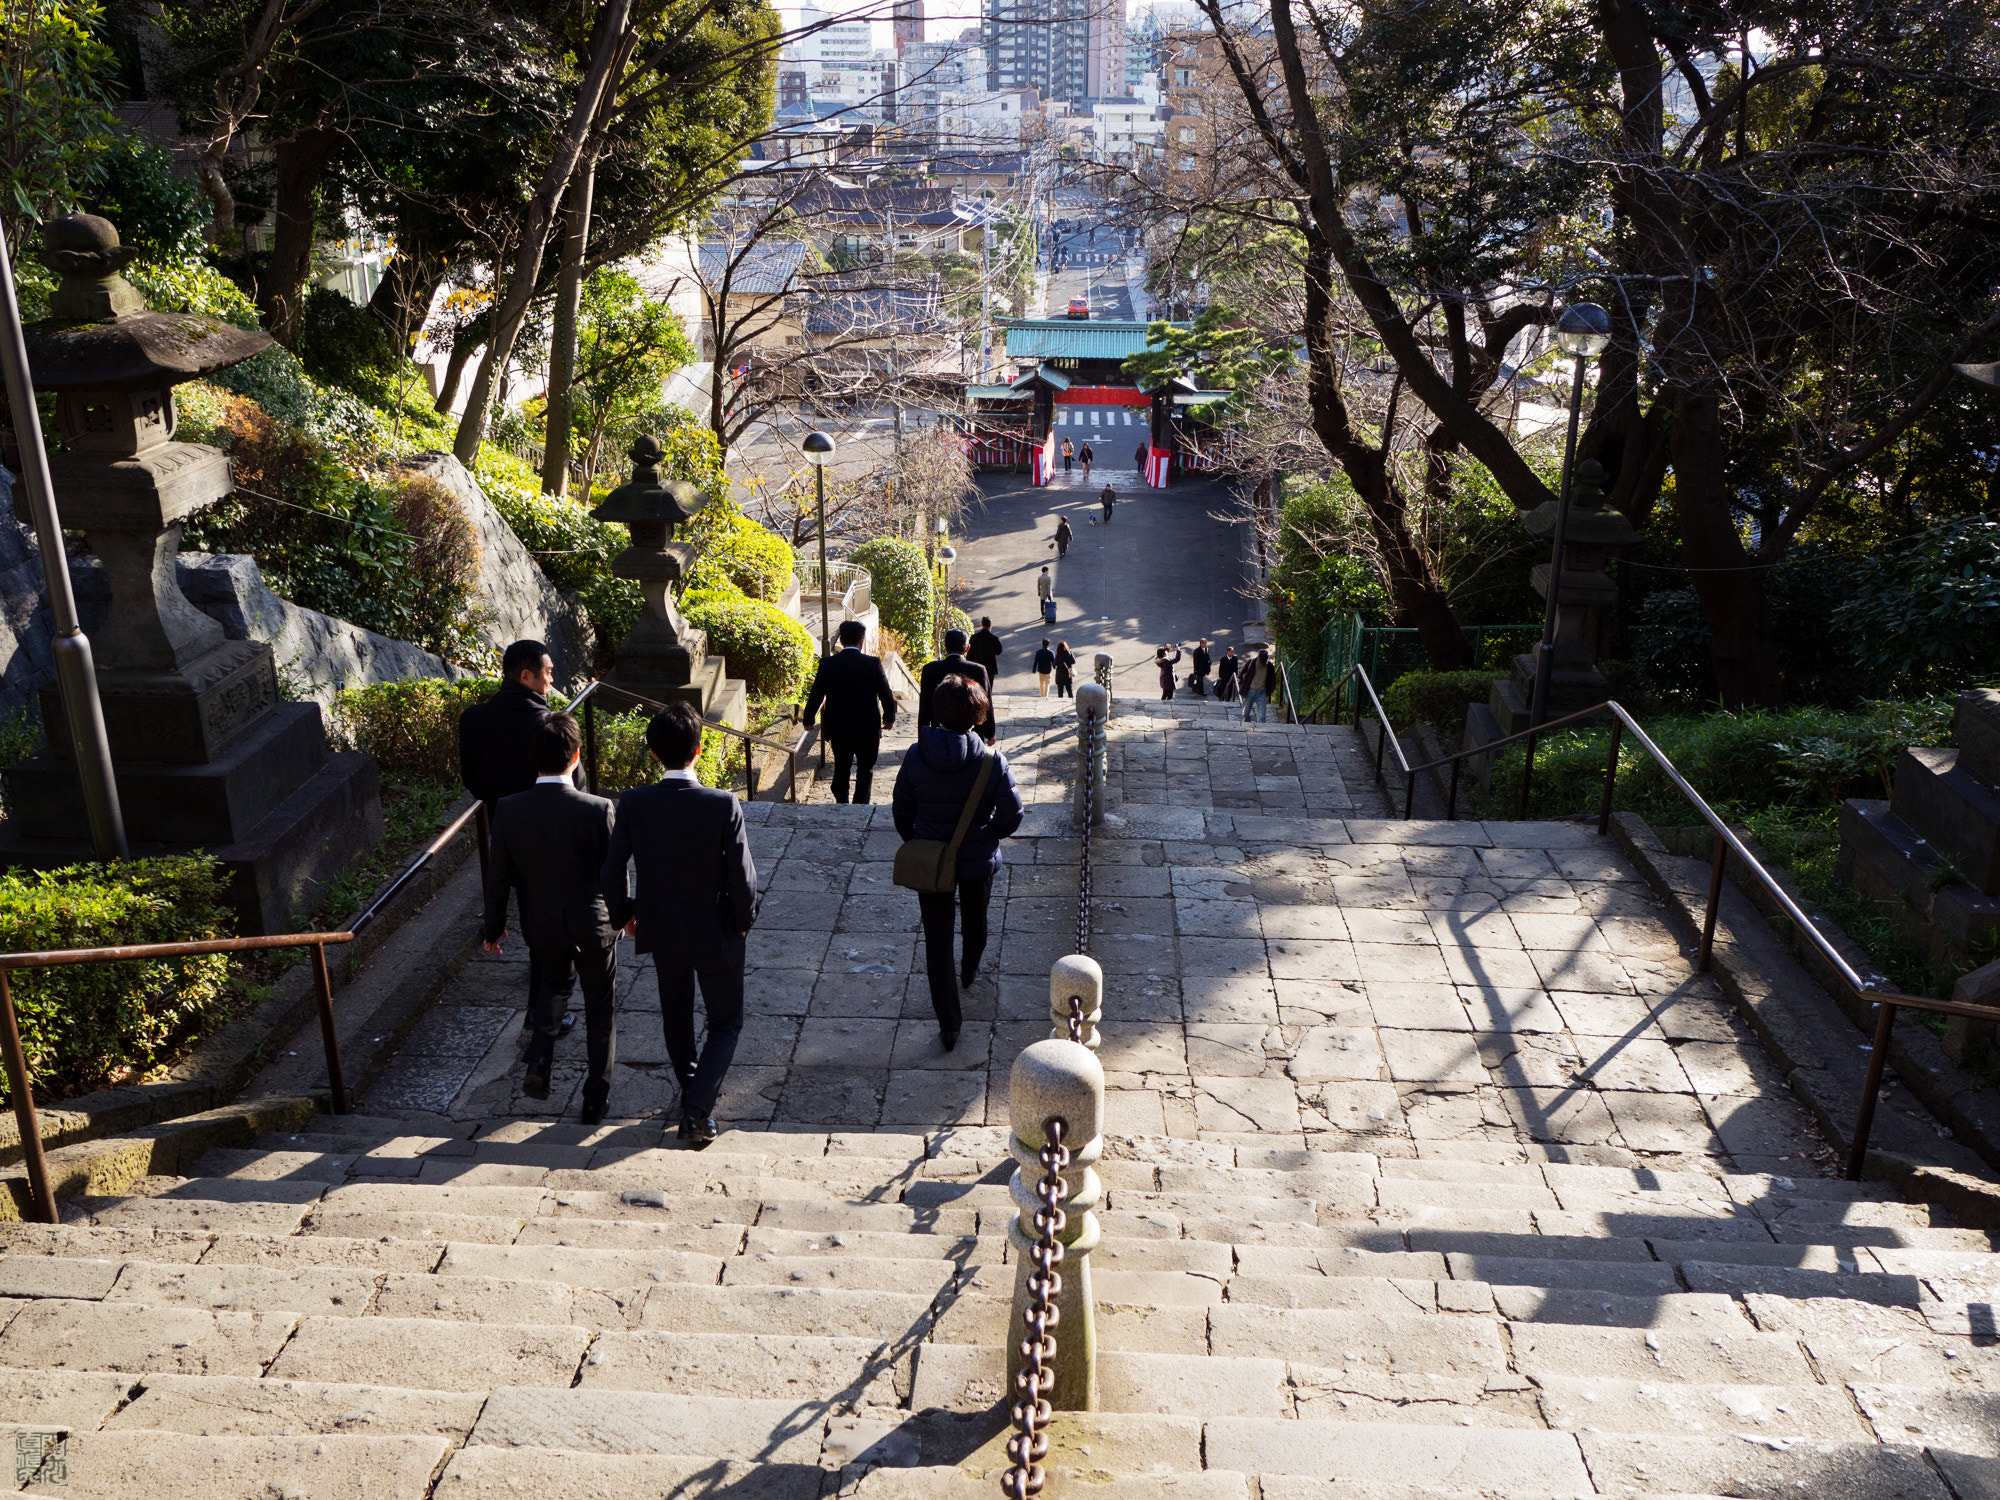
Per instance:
(205,752)
(664,658)
(1583,608)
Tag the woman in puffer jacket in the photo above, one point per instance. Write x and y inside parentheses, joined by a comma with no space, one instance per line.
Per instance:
(932,786)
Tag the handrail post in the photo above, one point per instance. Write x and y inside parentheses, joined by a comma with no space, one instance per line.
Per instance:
(24,1108)
(1527,773)
(1610,775)
(1451,801)
(329,1038)
(1409,790)
(1714,902)
(589,742)
(1864,1116)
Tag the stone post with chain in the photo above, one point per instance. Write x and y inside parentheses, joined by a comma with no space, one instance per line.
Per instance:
(1060,1080)
(1093,711)
(1080,980)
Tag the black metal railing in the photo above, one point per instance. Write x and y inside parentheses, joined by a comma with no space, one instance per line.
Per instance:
(1885,1002)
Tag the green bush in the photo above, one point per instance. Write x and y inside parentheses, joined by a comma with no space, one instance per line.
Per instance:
(735,551)
(900,580)
(344,345)
(1439,698)
(764,646)
(83,1024)
(411,728)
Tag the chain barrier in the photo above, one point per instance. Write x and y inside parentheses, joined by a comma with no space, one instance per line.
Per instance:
(1037,1376)
(1076,1019)
(1088,817)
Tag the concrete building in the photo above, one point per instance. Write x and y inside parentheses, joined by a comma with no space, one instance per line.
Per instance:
(1072,50)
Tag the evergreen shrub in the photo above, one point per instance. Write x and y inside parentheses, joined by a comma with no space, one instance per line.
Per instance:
(764,646)
(900,578)
(1439,698)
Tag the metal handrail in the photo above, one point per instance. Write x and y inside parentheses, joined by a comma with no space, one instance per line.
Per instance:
(1885,1001)
(17,1060)
(587,699)
(374,909)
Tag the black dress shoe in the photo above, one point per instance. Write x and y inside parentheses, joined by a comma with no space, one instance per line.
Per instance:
(592,1113)
(563,1027)
(535,1085)
(687,1128)
(700,1133)
(950,1040)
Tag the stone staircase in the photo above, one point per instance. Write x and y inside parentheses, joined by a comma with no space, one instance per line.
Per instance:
(370,1310)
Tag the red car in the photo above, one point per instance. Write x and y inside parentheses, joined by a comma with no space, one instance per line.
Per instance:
(1079,307)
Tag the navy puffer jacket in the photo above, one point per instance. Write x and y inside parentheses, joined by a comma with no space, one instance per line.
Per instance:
(931,787)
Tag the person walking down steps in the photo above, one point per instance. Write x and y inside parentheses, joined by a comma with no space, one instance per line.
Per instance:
(1166,664)
(957,794)
(1064,535)
(987,650)
(691,908)
(1256,676)
(1107,498)
(1065,670)
(852,698)
(549,843)
(1225,675)
(1045,666)
(953,663)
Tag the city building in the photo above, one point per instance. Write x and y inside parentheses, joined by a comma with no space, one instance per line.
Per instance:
(1072,50)
(907,25)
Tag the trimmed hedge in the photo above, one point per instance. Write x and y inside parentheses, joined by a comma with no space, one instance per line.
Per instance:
(411,728)
(738,553)
(1439,698)
(900,578)
(83,1024)
(764,646)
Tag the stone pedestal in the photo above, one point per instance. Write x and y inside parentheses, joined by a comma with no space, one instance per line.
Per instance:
(1931,852)
(205,753)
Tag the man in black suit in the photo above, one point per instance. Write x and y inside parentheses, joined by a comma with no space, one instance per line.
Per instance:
(691,910)
(549,843)
(952,664)
(495,750)
(985,649)
(1202,663)
(854,690)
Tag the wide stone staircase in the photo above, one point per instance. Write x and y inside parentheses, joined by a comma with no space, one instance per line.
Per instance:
(1340,1269)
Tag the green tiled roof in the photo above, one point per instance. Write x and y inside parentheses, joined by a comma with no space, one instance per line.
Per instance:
(1074,338)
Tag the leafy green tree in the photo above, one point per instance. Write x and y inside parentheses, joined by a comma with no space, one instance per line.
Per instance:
(55,108)
(628,346)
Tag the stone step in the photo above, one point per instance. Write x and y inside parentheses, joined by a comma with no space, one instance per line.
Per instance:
(1377,1458)
(117,1465)
(486,1472)
(972,1377)
(1604,1404)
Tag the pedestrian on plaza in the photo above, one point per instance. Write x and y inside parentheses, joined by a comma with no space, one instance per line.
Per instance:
(859,707)
(1068,453)
(1225,675)
(985,649)
(1107,498)
(1139,457)
(953,663)
(952,786)
(1257,675)
(1085,455)
(496,739)
(1166,664)
(691,908)
(1045,665)
(548,844)
(1045,592)
(1198,678)
(1065,671)
(1063,537)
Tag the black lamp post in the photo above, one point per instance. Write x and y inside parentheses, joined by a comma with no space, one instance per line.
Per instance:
(818,448)
(1583,331)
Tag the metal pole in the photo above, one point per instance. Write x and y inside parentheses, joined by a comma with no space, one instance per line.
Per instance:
(329,1039)
(1610,776)
(76,674)
(24,1097)
(1714,902)
(1864,1116)
(1545,649)
(819,491)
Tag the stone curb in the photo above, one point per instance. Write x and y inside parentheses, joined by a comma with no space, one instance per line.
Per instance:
(1973,1201)
(110,1166)
(1820,1051)
(219,1067)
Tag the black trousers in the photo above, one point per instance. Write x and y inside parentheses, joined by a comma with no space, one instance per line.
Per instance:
(860,756)
(1064,683)
(936,909)
(1199,682)
(721,975)
(554,968)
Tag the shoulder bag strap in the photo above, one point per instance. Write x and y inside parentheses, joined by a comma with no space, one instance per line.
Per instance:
(971,807)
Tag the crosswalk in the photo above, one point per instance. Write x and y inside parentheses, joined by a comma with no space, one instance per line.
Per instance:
(1075,418)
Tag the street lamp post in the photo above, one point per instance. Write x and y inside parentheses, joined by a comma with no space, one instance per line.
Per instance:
(1583,331)
(818,448)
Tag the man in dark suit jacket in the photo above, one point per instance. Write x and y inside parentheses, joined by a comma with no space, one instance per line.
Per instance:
(854,691)
(985,649)
(692,908)
(952,664)
(549,843)
(495,748)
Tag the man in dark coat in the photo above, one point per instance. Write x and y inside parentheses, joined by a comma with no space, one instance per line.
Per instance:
(1063,536)
(495,758)
(933,785)
(1199,675)
(985,649)
(952,664)
(691,909)
(549,844)
(854,691)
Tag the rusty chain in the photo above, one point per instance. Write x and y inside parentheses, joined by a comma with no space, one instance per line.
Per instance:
(1036,1377)
(1090,793)
(1076,1019)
